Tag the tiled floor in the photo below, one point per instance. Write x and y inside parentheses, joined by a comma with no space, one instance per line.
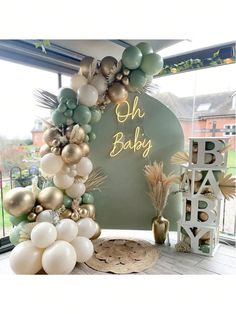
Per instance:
(169,263)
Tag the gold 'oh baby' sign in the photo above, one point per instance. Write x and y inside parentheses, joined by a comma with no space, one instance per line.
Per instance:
(124,113)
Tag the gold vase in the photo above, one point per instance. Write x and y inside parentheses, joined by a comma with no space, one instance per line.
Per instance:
(160,228)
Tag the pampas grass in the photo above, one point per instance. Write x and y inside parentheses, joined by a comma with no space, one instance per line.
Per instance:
(159,185)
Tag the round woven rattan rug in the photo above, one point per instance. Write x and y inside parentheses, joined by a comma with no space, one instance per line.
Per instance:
(122,256)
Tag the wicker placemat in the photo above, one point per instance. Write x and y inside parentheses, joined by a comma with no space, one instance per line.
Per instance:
(122,256)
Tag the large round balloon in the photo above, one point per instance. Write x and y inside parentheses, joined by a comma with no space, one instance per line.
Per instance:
(86,65)
(44,149)
(63,181)
(67,230)
(90,208)
(82,115)
(71,154)
(26,259)
(152,64)
(18,201)
(100,83)
(145,47)
(67,201)
(88,95)
(58,118)
(95,115)
(85,149)
(88,198)
(84,167)
(51,198)
(78,81)
(76,190)
(66,93)
(138,79)
(108,65)
(43,235)
(117,93)
(132,57)
(59,258)
(51,164)
(86,227)
(84,249)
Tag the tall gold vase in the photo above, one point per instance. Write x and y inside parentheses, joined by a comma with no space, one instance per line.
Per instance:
(160,228)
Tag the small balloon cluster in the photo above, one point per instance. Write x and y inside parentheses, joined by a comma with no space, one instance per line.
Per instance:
(110,81)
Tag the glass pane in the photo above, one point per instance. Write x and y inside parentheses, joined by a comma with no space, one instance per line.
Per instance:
(65,80)
(21,128)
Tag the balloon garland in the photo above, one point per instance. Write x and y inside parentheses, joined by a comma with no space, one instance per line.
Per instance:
(54,226)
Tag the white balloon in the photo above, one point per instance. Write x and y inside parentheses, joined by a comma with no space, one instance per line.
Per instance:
(84,167)
(64,170)
(86,227)
(73,173)
(48,216)
(77,80)
(63,181)
(51,164)
(84,249)
(88,95)
(100,83)
(59,258)
(43,235)
(67,230)
(26,259)
(76,190)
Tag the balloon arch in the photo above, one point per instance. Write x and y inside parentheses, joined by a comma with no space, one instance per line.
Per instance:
(54,225)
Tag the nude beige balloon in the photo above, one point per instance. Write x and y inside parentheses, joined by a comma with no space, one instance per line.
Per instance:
(44,149)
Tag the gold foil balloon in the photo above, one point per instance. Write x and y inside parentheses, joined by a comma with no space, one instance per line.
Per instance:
(85,149)
(44,149)
(32,216)
(51,198)
(90,208)
(125,80)
(19,201)
(83,212)
(66,214)
(86,65)
(38,209)
(75,216)
(97,232)
(71,154)
(78,136)
(68,131)
(56,150)
(117,93)
(50,135)
(108,65)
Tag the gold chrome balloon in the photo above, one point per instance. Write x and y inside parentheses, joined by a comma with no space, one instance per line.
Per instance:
(19,201)
(90,208)
(119,76)
(97,232)
(83,212)
(38,209)
(56,142)
(50,135)
(108,65)
(51,198)
(78,136)
(85,149)
(117,93)
(44,149)
(125,80)
(68,132)
(71,154)
(126,71)
(75,216)
(66,214)
(86,65)
(56,150)
(32,216)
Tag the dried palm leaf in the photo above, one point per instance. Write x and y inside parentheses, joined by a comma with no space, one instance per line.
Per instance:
(223,150)
(95,180)
(92,69)
(25,232)
(45,99)
(183,247)
(180,158)
(227,185)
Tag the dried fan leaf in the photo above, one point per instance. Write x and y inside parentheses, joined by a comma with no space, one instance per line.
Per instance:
(25,233)
(45,99)
(227,185)
(180,158)
(95,180)
(92,70)
(223,150)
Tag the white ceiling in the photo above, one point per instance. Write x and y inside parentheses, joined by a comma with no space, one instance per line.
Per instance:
(101,48)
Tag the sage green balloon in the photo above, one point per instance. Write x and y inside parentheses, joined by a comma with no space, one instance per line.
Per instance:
(132,57)
(67,201)
(71,103)
(66,92)
(82,115)
(138,79)
(16,220)
(95,115)
(68,113)
(152,64)
(15,233)
(86,139)
(58,118)
(92,136)
(87,198)
(62,107)
(87,128)
(145,48)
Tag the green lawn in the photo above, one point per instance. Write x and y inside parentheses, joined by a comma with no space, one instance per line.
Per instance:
(6,216)
(231,162)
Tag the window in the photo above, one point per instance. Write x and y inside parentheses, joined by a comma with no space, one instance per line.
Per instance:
(230,129)
(203,107)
